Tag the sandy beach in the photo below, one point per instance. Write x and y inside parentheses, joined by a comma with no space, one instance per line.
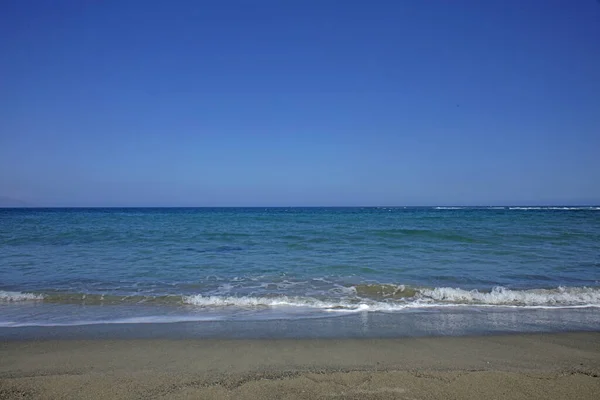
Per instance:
(532,366)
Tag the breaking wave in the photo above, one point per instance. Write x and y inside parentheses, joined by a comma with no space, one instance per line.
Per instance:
(13,297)
(561,296)
(365,297)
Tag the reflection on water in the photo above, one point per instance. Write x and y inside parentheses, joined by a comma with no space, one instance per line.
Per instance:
(356,325)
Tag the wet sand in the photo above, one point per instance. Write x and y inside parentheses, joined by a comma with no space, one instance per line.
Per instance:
(531,366)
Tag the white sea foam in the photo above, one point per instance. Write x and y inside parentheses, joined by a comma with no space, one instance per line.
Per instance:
(13,297)
(249,301)
(294,302)
(449,208)
(346,299)
(574,296)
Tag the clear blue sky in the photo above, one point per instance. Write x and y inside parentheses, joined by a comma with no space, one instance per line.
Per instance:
(299,102)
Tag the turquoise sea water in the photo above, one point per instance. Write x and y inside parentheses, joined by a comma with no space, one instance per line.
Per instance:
(88,266)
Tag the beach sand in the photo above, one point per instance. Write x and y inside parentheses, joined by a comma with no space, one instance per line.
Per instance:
(531,366)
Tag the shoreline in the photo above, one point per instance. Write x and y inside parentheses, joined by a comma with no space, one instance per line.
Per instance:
(538,365)
(371,325)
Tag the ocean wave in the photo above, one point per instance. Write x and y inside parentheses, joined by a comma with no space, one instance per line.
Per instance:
(365,297)
(400,297)
(382,291)
(275,301)
(498,296)
(13,297)
(561,296)
(85,298)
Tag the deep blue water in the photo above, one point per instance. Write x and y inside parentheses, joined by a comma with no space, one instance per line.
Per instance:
(68,266)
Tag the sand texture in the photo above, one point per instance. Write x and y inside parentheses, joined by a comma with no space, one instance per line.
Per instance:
(536,366)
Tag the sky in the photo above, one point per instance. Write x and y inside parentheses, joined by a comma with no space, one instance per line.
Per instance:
(299,102)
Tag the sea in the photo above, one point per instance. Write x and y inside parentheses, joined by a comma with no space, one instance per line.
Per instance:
(356,271)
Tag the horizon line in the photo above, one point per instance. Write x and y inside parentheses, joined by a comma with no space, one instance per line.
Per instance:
(322,206)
